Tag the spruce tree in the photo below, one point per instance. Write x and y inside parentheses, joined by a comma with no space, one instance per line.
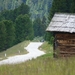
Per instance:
(72,8)
(62,6)
(2,36)
(10,33)
(37,25)
(24,28)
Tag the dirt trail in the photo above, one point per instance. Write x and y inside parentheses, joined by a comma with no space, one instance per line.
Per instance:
(33,50)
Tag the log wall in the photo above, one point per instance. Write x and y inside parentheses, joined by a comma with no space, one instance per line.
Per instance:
(64,44)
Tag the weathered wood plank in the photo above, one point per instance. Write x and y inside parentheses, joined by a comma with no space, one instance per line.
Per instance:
(66,49)
(65,44)
(64,52)
(66,55)
(72,45)
(65,36)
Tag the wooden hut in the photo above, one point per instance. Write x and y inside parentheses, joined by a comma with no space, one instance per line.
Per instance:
(63,27)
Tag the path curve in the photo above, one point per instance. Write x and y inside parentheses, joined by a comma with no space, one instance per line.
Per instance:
(33,50)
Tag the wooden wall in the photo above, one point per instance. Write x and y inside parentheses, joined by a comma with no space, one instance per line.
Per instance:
(64,44)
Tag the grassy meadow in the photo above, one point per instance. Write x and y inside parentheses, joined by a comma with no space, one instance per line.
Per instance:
(41,66)
(48,49)
(15,50)
(44,65)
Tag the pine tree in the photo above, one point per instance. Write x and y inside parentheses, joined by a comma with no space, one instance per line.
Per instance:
(72,8)
(12,14)
(39,27)
(23,9)
(24,28)
(36,26)
(2,36)
(62,6)
(10,33)
(68,5)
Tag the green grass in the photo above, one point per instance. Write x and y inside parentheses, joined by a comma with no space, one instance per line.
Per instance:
(41,66)
(44,65)
(15,50)
(37,39)
(47,48)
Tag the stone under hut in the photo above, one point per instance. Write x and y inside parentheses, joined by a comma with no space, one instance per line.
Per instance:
(63,27)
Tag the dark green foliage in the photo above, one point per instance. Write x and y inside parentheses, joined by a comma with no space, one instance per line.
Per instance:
(36,26)
(15,26)
(7,34)
(24,29)
(2,36)
(39,27)
(68,5)
(72,8)
(49,37)
(23,9)
(59,6)
(12,14)
(10,33)
(6,15)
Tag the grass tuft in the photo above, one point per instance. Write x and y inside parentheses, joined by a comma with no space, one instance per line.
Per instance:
(41,66)
(44,65)
(47,48)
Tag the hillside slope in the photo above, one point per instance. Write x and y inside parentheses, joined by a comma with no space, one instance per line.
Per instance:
(10,4)
(38,8)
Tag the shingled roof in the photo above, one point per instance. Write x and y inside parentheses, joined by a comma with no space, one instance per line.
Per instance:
(62,22)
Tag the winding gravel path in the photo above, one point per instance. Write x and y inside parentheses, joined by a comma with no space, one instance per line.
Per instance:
(33,50)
